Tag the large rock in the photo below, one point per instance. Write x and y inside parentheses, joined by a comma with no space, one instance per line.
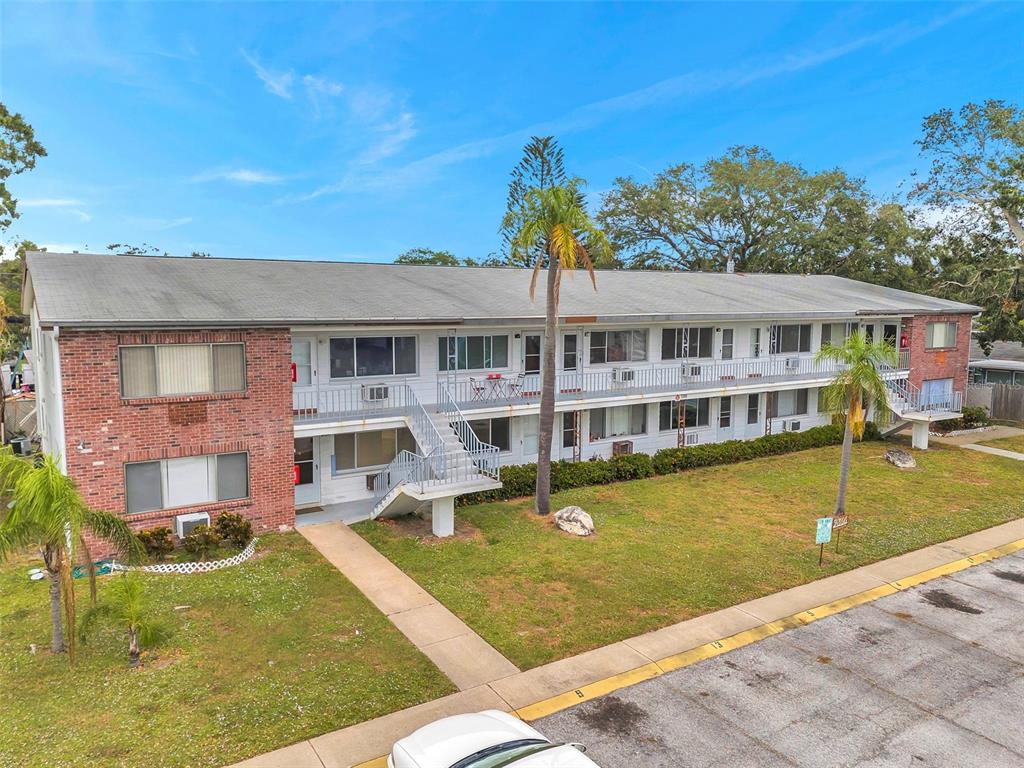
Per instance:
(575,521)
(900,458)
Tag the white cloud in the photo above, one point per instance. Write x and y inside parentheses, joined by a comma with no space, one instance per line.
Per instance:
(316,84)
(278,83)
(586,116)
(159,224)
(50,202)
(239,176)
(394,136)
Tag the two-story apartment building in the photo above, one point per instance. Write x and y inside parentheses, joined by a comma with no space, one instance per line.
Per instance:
(173,387)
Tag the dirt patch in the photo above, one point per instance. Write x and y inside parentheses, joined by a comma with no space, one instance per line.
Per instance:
(1014,576)
(903,615)
(940,598)
(824,659)
(613,715)
(414,527)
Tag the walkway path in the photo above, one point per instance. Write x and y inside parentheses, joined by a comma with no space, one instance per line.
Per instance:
(994,451)
(972,441)
(457,650)
(561,684)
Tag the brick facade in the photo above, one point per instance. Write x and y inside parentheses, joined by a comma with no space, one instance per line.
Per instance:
(951,363)
(104,432)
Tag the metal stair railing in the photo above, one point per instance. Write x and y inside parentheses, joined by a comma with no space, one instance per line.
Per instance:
(484,456)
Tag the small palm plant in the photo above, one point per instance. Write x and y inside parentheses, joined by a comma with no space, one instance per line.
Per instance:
(126,605)
(41,508)
(858,387)
(555,230)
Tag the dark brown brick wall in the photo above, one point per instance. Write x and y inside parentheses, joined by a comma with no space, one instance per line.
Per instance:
(116,431)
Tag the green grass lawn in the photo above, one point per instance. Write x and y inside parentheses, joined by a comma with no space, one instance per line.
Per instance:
(674,547)
(270,652)
(1008,443)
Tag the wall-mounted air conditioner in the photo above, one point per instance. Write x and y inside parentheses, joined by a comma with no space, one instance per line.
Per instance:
(794,426)
(623,375)
(374,393)
(693,370)
(692,438)
(183,524)
(792,363)
(622,448)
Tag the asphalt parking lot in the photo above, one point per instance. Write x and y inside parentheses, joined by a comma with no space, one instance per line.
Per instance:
(933,676)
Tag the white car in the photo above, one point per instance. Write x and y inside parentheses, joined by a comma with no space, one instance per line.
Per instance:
(490,739)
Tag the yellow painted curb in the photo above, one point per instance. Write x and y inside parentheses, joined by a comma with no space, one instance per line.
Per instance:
(377,762)
(724,645)
(587,692)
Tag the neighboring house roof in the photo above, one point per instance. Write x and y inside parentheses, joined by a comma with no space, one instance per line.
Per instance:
(998,365)
(1001,350)
(103,290)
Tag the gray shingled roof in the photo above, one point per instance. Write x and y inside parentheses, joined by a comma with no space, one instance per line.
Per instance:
(103,290)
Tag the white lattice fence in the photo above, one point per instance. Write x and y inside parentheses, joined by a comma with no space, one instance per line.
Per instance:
(204,566)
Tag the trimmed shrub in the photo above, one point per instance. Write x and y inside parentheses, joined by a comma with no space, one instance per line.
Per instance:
(973,416)
(521,479)
(234,529)
(157,542)
(202,541)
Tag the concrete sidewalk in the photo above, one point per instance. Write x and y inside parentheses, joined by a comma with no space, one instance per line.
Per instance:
(544,690)
(994,451)
(993,433)
(458,651)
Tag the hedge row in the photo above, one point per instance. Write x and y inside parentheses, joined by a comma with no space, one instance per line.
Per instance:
(521,479)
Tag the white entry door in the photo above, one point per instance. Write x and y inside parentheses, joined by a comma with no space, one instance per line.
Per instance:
(751,415)
(727,427)
(304,373)
(307,472)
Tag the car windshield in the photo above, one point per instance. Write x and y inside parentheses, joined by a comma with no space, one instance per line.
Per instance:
(502,754)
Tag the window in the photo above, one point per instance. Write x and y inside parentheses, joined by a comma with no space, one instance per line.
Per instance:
(170,483)
(753,408)
(357,450)
(677,343)
(165,370)
(727,334)
(618,346)
(755,342)
(570,351)
(791,402)
(372,356)
(569,422)
(834,333)
(493,431)
(869,333)
(531,353)
(940,335)
(468,353)
(725,413)
(789,338)
(697,413)
(619,421)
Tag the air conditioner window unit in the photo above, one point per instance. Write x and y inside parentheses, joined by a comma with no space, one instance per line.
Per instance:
(693,370)
(183,524)
(692,438)
(794,426)
(375,393)
(623,375)
(622,447)
(792,363)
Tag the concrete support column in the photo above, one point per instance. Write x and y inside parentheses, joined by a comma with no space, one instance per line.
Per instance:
(442,516)
(919,438)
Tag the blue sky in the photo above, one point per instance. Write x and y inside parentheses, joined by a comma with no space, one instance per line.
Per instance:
(357,131)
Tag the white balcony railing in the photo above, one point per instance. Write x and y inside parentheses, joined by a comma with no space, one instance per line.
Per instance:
(476,392)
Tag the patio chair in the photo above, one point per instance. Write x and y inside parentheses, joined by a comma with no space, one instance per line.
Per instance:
(515,386)
(477,388)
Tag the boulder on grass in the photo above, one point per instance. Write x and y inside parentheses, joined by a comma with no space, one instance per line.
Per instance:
(575,521)
(900,458)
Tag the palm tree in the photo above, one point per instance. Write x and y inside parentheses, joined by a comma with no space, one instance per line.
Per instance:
(858,387)
(554,225)
(44,510)
(127,606)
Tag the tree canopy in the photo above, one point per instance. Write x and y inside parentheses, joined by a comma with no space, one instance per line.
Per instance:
(19,151)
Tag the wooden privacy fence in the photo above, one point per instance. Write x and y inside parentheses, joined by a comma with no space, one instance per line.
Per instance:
(1003,402)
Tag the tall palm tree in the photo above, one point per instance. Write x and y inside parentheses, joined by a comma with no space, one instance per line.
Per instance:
(554,225)
(858,387)
(43,509)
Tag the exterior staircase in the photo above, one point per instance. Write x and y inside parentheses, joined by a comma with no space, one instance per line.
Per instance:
(452,461)
(911,408)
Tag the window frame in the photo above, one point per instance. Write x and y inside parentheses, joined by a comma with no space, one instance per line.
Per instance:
(632,332)
(701,408)
(446,343)
(355,368)
(213,391)
(801,392)
(594,438)
(356,469)
(775,339)
(490,431)
(928,334)
(681,338)
(212,474)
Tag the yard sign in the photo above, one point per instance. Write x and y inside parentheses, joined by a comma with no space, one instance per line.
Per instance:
(823,535)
